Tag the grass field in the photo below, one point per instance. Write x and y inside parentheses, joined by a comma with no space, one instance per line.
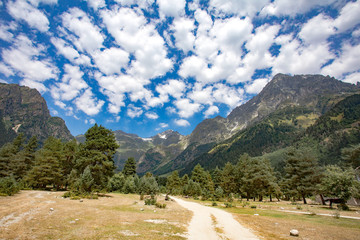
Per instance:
(46,215)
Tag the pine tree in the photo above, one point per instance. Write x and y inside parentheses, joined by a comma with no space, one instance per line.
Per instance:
(302,172)
(7,156)
(97,153)
(228,181)
(116,182)
(173,183)
(24,160)
(129,167)
(47,168)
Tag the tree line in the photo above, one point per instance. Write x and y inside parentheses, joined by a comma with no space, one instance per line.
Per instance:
(88,167)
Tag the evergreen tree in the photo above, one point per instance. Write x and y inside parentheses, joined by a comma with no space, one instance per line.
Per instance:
(148,185)
(116,182)
(129,167)
(228,182)
(24,160)
(47,168)
(352,155)
(7,156)
(97,153)
(68,163)
(302,173)
(173,183)
(216,177)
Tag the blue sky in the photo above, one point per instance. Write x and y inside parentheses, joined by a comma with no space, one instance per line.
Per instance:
(145,66)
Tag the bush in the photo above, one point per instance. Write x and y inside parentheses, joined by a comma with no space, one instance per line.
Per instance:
(8,186)
(343,207)
(150,201)
(214,204)
(253,206)
(159,205)
(229,205)
(298,207)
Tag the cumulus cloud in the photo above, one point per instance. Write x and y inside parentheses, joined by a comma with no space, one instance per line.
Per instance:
(317,30)
(96,4)
(292,8)
(353,78)
(22,10)
(132,32)
(29,62)
(238,7)
(5,33)
(181,122)
(348,62)
(211,111)
(349,17)
(151,115)
(71,85)
(133,111)
(69,52)
(88,37)
(88,103)
(174,8)
(186,108)
(183,32)
(111,60)
(256,86)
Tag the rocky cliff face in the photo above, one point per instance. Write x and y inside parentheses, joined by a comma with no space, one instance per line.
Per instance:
(24,110)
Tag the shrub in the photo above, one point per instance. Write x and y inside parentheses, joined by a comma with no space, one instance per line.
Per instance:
(214,204)
(253,206)
(343,207)
(228,205)
(150,201)
(298,207)
(8,186)
(159,205)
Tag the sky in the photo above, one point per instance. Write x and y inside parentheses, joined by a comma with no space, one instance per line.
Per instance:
(145,66)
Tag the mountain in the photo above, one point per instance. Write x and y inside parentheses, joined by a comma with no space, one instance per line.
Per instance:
(24,110)
(149,153)
(273,119)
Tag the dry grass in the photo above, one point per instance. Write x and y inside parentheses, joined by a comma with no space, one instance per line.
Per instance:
(28,216)
(273,224)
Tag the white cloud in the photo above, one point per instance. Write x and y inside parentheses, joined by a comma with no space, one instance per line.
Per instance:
(163,125)
(183,32)
(29,61)
(295,58)
(174,88)
(144,4)
(201,95)
(181,122)
(211,111)
(6,70)
(347,62)
(133,111)
(71,85)
(88,35)
(256,86)
(352,78)
(187,108)
(88,103)
(317,30)
(228,95)
(171,110)
(1,80)
(70,53)
(96,4)
(33,84)
(349,17)
(22,10)
(111,60)
(238,7)
(231,33)
(292,8)
(5,34)
(173,8)
(37,2)
(90,121)
(151,115)
(132,32)
(356,33)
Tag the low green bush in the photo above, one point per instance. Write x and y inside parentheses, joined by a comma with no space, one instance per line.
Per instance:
(8,186)
(253,206)
(159,205)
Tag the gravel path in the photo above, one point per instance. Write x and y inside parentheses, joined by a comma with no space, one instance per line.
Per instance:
(213,224)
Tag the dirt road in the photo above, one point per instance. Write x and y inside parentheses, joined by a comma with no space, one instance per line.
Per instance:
(213,224)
